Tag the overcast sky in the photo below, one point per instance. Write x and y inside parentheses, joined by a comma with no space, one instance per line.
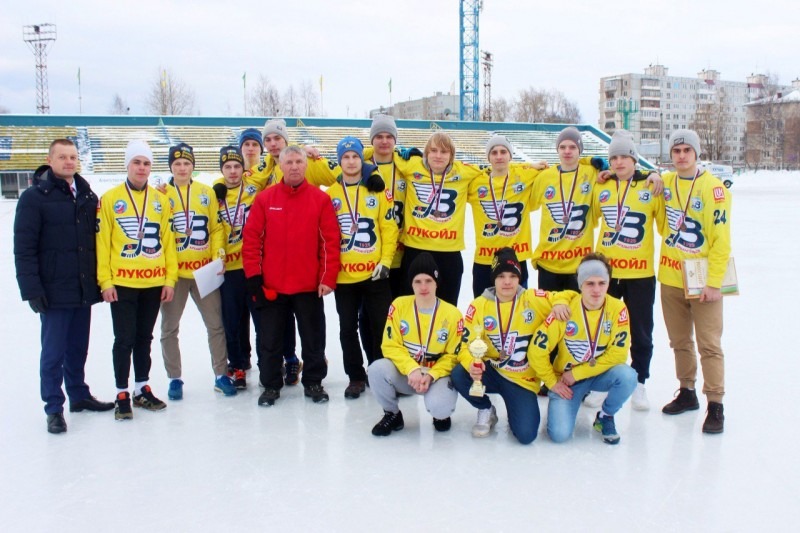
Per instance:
(357,46)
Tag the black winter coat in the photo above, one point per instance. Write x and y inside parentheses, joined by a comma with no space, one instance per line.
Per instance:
(54,242)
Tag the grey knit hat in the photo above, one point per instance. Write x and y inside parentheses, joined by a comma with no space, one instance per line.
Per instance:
(498,140)
(383,124)
(622,144)
(570,133)
(592,267)
(685,137)
(276,125)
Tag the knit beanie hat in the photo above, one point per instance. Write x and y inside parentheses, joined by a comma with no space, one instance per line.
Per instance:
(383,124)
(622,144)
(570,133)
(349,144)
(251,134)
(424,263)
(592,267)
(181,151)
(685,137)
(138,149)
(230,153)
(498,140)
(276,125)
(505,260)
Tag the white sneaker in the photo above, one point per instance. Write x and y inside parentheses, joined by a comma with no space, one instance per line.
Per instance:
(639,400)
(487,418)
(594,399)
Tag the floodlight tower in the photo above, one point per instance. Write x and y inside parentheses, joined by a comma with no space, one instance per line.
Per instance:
(469,11)
(488,61)
(39,37)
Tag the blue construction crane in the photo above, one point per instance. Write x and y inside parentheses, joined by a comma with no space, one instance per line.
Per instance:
(469,10)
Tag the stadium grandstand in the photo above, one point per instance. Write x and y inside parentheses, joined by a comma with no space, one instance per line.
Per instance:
(101,140)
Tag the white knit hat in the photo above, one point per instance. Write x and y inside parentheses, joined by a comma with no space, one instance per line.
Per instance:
(138,149)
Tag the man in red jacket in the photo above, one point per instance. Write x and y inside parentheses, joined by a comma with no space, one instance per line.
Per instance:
(291,260)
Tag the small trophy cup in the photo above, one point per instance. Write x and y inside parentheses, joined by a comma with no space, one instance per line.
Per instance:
(477,348)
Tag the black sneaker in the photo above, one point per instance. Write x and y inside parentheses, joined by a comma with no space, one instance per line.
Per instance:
(90,404)
(122,407)
(268,397)
(354,389)
(147,400)
(686,400)
(442,424)
(292,376)
(56,423)
(390,422)
(715,419)
(316,393)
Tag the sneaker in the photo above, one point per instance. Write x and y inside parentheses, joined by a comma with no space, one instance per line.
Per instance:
(56,423)
(354,389)
(487,418)
(293,370)
(715,419)
(390,422)
(224,385)
(239,379)
(639,400)
(442,425)
(685,400)
(605,425)
(90,404)
(316,393)
(268,397)
(147,400)
(175,391)
(122,407)
(594,399)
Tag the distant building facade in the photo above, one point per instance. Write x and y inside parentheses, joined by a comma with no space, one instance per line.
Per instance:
(440,106)
(773,130)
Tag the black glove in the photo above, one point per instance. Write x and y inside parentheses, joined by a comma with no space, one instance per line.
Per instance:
(255,289)
(599,163)
(221,191)
(375,183)
(38,304)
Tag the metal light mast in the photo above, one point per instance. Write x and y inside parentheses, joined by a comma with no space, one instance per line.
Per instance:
(488,61)
(39,37)
(469,11)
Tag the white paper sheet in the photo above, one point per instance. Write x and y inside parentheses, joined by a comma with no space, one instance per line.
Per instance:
(208,278)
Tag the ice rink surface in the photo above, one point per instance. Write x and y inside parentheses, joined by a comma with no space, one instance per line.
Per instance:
(210,463)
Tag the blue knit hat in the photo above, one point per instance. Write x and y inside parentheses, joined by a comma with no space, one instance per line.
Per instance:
(349,144)
(251,134)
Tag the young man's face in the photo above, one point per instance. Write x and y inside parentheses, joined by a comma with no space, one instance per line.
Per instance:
(384,144)
(63,160)
(569,153)
(423,285)
(438,158)
(274,143)
(622,165)
(232,172)
(684,158)
(182,168)
(293,166)
(506,284)
(251,149)
(139,170)
(351,164)
(593,291)
(499,156)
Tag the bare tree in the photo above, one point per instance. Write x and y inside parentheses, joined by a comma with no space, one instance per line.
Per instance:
(764,142)
(308,99)
(501,110)
(264,99)
(119,106)
(170,96)
(713,122)
(290,102)
(541,105)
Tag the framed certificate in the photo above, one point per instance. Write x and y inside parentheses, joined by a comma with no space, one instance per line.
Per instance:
(695,272)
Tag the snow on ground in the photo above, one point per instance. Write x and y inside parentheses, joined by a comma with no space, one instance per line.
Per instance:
(210,463)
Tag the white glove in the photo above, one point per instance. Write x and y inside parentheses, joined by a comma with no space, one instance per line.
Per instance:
(380,272)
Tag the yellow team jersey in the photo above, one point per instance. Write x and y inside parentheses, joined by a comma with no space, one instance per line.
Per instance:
(232,214)
(135,243)
(627,211)
(589,343)
(368,232)
(394,176)
(319,172)
(697,224)
(508,329)
(435,207)
(431,341)
(500,212)
(566,230)
(195,223)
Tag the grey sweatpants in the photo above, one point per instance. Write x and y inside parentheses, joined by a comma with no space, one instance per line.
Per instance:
(386,381)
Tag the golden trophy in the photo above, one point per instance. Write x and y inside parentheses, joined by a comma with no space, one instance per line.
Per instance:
(477,348)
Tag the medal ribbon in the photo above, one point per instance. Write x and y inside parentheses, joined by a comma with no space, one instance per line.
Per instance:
(621,202)
(437,192)
(394,169)
(504,336)
(592,340)
(139,218)
(352,211)
(688,199)
(571,194)
(185,208)
(235,212)
(430,328)
(499,210)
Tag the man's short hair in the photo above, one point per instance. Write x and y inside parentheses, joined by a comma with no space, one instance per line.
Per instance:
(60,142)
(293,149)
(441,140)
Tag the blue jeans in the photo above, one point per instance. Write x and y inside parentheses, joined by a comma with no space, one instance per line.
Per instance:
(619,381)
(521,404)
(65,344)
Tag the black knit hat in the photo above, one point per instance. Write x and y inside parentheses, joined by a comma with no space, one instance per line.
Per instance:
(505,260)
(230,153)
(181,151)
(424,263)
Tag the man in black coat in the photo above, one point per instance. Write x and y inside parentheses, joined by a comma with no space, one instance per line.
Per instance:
(54,254)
